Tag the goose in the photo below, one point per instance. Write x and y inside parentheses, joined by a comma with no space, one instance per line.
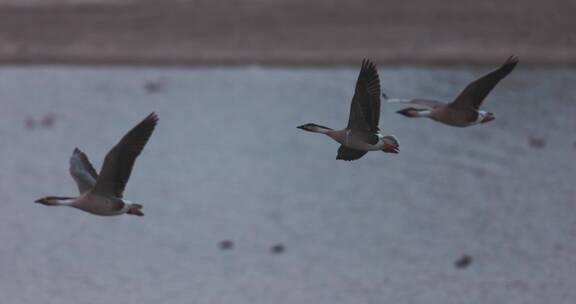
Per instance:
(465,110)
(362,133)
(102,194)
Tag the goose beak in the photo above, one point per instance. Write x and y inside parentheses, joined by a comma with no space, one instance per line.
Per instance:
(40,201)
(487,118)
(391,149)
(301,127)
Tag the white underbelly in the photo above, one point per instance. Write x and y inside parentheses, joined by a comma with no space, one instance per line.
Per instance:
(481,115)
(363,146)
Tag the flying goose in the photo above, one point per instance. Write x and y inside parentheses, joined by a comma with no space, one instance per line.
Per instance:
(465,110)
(102,194)
(362,133)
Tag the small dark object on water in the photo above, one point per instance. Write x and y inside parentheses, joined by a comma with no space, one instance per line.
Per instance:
(537,142)
(277,249)
(47,120)
(463,262)
(30,123)
(225,245)
(153,86)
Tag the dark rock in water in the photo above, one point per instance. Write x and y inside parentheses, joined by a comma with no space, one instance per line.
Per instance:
(537,142)
(47,120)
(559,247)
(277,249)
(153,86)
(30,123)
(225,245)
(463,262)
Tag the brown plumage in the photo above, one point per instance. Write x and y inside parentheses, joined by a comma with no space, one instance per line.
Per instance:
(362,133)
(102,195)
(119,161)
(465,109)
(474,94)
(365,106)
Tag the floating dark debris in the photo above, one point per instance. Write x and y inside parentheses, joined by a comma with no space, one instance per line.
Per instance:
(226,245)
(30,123)
(153,86)
(463,262)
(47,120)
(277,249)
(537,142)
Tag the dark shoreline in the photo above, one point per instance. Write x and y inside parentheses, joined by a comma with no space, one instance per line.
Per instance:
(290,33)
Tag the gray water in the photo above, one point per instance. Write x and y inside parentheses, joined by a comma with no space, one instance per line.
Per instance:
(227,163)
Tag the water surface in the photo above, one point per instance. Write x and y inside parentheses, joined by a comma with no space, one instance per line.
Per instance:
(227,163)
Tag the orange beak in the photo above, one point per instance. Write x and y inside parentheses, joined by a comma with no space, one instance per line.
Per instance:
(391,149)
(487,118)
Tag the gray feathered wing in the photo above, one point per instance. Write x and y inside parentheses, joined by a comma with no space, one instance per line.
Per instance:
(118,163)
(82,171)
(429,103)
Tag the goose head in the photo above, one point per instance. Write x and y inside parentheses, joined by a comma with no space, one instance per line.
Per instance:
(311,127)
(413,112)
(53,200)
(488,116)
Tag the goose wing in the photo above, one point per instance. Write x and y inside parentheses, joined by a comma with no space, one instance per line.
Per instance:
(365,107)
(119,161)
(420,102)
(346,153)
(473,95)
(82,171)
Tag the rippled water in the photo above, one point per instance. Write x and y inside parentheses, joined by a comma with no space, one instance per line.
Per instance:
(227,163)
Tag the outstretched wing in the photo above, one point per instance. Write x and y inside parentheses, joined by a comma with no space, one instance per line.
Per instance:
(82,171)
(473,95)
(421,102)
(365,107)
(119,161)
(346,153)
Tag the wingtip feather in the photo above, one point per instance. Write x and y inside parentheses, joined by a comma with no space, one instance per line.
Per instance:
(367,64)
(152,117)
(512,61)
